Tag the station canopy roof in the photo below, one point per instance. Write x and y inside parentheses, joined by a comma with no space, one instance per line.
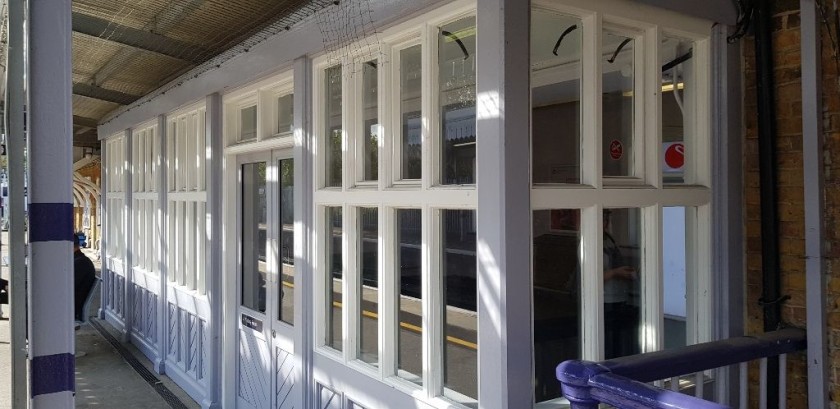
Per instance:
(125,49)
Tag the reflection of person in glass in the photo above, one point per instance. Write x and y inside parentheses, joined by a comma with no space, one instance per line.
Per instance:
(621,310)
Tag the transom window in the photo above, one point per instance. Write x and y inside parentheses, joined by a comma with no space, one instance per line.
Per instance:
(395,200)
(620,188)
(260,112)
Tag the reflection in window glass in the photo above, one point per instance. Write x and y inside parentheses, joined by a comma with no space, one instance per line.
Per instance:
(410,302)
(556,296)
(369,287)
(622,278)
(410,105)
(334,278)
(674,254)
(370,122)
(248,123)
(287,241)
(555,97)
(460,349)
(254,219)
(456,59)
(618,78)
(332,140)
(677,105)
(285,113)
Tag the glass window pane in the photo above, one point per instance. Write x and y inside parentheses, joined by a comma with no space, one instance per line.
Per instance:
(410,302)
(456,68)
(677,106)
(674,253)
(410,111)
(460,349)
(287,241)
(248,123)
(254,218)
(369,285)
(622,278)
(556,289)
(555,97)
(370,120)
(335,277)
(332,139)
(285,113)
(618,79)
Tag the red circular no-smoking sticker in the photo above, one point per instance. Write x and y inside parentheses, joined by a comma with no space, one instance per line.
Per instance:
(675,156)
(616,149)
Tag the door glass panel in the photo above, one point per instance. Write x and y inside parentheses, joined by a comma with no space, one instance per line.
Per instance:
(622,278)
(460,336)
(286,287)
(335,278)
(410,110)
(618,79)
(254,219)
(410,302)
(456,59)
(369,287)
(333,137)
(555,97)
(370,114)
(557,322)
(674,257)
(677,106)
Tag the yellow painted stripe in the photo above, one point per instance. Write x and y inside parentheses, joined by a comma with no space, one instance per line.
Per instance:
(411,327)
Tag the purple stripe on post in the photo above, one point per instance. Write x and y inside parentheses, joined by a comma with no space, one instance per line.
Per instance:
(50,222)
(53,373)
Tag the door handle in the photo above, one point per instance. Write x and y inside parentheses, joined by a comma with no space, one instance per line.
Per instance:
(273,334)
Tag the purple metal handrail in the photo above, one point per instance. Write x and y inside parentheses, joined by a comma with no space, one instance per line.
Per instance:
(621,382)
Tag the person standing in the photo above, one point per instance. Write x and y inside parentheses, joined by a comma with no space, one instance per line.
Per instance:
(84,276)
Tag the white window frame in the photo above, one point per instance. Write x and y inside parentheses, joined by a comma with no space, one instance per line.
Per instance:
(186,199)
(115,196)
(647,192)
(145,139)
(263,95)
(387,195)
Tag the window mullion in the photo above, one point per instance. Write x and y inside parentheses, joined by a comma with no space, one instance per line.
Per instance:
(653,323)
(385,93)
(592,283)
(699,258)
(323,292)
(349,110)
(388,291)
(651,139)
(432,304)
(350,282)
(430,146)
(591,108)
(701,126)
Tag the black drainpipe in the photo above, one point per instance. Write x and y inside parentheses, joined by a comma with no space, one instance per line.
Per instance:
(771,298)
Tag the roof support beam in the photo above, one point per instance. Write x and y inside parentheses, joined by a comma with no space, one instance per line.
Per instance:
(92,91)
(161,24)
(85,122)
(140,39)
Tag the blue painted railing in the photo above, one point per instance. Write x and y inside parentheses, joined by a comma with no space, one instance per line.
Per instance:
(623,382)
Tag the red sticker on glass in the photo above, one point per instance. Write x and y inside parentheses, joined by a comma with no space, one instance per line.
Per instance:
(675,156)
(616,149)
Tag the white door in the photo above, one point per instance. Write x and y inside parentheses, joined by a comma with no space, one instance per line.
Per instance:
(267,376)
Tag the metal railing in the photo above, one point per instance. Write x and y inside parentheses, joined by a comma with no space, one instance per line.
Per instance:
(626,382)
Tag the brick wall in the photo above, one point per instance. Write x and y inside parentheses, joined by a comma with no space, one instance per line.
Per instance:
(788,115)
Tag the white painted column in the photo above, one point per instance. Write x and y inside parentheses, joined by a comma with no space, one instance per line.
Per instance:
(163,244)
(304,220)
(128,242)
(104,227)
(504,212)
(51,334)
(214,148)
(16,146)
(812,160)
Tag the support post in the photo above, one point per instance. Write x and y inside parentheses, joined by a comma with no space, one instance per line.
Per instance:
(504,216)
(16,151)
(814,195)
(127,239)
(215,162)
(163,247)
(51,337)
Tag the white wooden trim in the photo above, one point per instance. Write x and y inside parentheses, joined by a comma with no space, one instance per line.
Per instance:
(548,198)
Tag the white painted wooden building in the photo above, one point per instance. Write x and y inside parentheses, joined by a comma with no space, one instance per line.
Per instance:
(436,215)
